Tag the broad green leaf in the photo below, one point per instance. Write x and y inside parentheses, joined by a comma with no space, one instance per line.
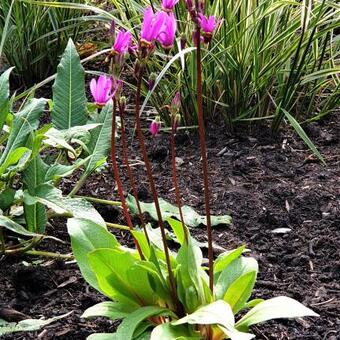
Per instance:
(33,176)
(111,269)
(4,95)
(142,241)
(69,101)
(217,313)
(63,138)
(189,276)
(299,130)
(6,198)
(240,291)
(109,309)
(27,325)
(57,171)
(87,236)
(9,224)
(24,122)
(127,328)
(191,217)
(113,336)
(52,197)
(167,331)
(178,229)
(225,259)
(99,144)
(275,308)
(13,159)
(232,272)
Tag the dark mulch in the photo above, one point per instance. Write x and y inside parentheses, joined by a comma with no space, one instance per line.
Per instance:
(265,183)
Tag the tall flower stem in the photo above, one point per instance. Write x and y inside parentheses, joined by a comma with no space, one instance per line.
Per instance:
(174,179)
(203,148)
(141,140)
(117,177)
(132,179)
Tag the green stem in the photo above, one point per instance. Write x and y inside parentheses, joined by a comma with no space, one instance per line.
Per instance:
(78,186)
(99,200)
(49,254)
(2,241)
(117,226)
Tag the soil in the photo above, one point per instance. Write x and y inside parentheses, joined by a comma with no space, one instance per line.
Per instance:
(265,184)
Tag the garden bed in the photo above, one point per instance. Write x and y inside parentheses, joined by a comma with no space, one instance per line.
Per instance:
(266,184)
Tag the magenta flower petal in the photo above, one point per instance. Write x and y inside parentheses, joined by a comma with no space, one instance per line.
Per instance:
(122,42)
(168,5)
(167,34)
(154,127)
(101,90)
(151,26)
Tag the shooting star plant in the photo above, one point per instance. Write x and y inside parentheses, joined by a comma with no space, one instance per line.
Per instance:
(152,287)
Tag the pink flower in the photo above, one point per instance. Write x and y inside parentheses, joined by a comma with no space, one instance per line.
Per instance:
(168,5)
(155,126)
(208,25)
(151,26)
(167,34)
(122,42)
(104,89)
(176,101)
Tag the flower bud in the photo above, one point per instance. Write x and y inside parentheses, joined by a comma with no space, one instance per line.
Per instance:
(155,126)
(151,81)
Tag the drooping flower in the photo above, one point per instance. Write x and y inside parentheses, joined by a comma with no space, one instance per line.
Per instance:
(104,89)
(155,126)
(168,5)
(167,33)
(151,26)
(122,42)
(207,25)
(176,102)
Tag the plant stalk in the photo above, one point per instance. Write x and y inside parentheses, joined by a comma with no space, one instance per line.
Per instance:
(126,162)
(100,201)
(203,149)
(117,177)
(141,140)
(174,178)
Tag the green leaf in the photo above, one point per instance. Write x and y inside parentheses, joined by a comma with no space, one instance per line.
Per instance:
(33,176)
(216,313)
(27,325)
(7,223)
(87,236)
(275,308)
(232,272)
(69,101)
(52,197)
(4,95)
(127,328)
(21,153)
(109,309)
(99,144)
(24,122)
(6,198)
(226,258)
(167,331)
(102,336)
(190,275)
(299,130)
(178,229)
(240,291)
(191,217)
(111,269)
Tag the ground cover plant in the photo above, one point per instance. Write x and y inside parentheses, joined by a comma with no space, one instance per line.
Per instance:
(158,291)
(32,38)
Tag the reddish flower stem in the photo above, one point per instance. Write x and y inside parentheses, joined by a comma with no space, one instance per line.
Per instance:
(148,169)
(203,148)
(117,177)
(174,179)
(132,179)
